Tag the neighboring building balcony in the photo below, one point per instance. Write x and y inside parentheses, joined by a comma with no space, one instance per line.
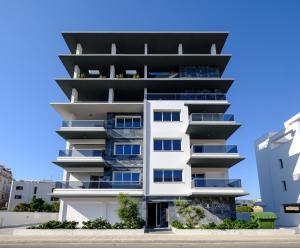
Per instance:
(231,187)
(187,96)
(217,156)
(211,126)
(71,158)
(98,188)
(83,129)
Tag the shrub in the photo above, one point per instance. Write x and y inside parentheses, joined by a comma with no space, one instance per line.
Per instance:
(191,214)
(98,223)
(55,207)
(118,225)
(244,209)
(177,224)
(37,205)
(231,224)
(22,207)
(53,224)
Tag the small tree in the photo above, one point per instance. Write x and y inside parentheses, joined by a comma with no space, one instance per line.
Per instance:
(191,214)
(55,207)
(37,204)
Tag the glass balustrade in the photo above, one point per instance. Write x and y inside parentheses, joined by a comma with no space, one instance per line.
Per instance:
(214,149)
(99,185)
(211,117)
(222,183)
(187,96)
(81,153)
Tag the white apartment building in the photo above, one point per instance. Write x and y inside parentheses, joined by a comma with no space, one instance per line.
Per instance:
(5,183)
(24,191)
(278,165)
(146,117)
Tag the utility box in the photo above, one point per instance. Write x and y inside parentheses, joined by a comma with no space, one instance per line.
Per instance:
(265,220)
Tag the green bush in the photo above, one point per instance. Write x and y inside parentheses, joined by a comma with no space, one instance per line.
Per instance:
(53,224)
(177,224)
(118,225)
(244,209)
(22,207)
(55,207)
(230,224)
(37,205)
(98,223)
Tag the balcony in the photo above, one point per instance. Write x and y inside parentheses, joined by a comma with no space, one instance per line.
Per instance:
(83,129)
(72,158)
(98,188)
(211,126)
(187,96)
(217,156)
(232,187)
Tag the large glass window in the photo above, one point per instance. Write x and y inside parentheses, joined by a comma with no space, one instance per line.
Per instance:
(167,176)
(128,122)
(167,145)
(127,149)
(167,116)
(126,176)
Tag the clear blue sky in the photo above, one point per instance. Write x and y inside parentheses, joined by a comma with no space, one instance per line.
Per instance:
(264,40)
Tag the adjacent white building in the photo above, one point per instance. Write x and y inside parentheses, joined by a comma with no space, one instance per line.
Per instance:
(278,165)
(146,117)
(24,191)
(5,184)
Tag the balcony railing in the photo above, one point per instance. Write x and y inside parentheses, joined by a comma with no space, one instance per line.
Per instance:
(186,96)
(214,149)
(222,183)
(99,185)
(81,153)
(211,117)
(83,123)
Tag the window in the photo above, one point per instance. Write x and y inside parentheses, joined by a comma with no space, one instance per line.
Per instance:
(167,145)
(167,176)
(126,176)
(35,190)
(54,198)
(127,149)
(167,116)
(19,187)
(18,197)
(284,185)
(280,163)
(128,122)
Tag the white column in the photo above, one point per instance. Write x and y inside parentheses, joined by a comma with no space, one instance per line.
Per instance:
(146,49)
(112,71)
(74,95)
(76,72)
(111,95)
(113,49)
(180,49)
(145,71)
(213,49)
(145,93)
(78,48)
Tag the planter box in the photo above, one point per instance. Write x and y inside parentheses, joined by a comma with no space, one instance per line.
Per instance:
(77,232)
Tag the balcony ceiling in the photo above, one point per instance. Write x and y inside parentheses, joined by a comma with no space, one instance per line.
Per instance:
(83,134)
(212,107)
(193,42)
(211,161)
(78,163)
(132,61)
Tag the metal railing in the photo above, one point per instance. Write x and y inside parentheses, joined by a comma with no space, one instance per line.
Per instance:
(83,123)
(211,117)
(99,185)
(222,183)
(80,153)
(186,96)
(214,149)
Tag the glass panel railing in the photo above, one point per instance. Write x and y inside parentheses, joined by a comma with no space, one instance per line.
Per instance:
(214,149)
(99,185)
(81,153)
(186,96)
(222,183)
(211,117)
(83,123)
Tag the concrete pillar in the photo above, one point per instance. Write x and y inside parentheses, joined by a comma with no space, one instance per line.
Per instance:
(180,49)
(112,72)
(78,48)
(74,95)
(145,71)
(76,72)
(145,93)
(113,49)
(111,95)
(213,49)
(146,49)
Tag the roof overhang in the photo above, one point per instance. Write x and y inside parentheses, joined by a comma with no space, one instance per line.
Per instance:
(214,160)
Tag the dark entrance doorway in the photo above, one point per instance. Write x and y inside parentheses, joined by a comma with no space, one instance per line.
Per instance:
(157,214)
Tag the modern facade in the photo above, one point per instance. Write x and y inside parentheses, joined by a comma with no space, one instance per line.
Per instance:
(146,117)
(278,166)
(5,183)
(24,191)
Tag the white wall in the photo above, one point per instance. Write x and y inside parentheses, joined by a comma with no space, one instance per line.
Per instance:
(8,219)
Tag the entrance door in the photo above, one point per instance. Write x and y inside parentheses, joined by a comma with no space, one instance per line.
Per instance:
(157,214)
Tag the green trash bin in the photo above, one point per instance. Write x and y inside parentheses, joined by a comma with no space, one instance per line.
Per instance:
(265,220)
